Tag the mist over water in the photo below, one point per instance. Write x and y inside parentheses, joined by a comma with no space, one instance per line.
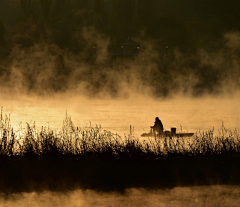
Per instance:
(56,58)
(49,48)
(46,70)
(209,196)
(186,114)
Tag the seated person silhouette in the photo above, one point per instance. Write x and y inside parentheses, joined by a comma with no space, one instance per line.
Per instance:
(158,127)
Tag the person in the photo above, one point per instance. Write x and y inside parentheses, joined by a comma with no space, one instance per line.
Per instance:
(158,126)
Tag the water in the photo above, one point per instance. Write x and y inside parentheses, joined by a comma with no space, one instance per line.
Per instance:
(200,196)
(187,114)
(117,115)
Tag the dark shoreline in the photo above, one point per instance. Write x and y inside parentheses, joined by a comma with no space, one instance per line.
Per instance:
(65,173)
(91,158)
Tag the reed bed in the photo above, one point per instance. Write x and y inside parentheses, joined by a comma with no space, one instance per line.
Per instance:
(73,157)
(77,141)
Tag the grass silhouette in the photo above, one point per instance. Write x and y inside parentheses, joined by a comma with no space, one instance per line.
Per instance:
(93,158)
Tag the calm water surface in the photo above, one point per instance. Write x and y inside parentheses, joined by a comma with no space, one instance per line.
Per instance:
(117,115)
(187,114)
(199,196)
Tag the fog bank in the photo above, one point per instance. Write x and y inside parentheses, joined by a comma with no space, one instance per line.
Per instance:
(66,47)
(46,70)
(214,196)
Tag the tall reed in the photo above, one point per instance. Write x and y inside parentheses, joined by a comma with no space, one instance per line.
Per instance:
(71,140)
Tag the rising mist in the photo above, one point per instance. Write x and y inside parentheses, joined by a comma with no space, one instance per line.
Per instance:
(216,196)
(64,47)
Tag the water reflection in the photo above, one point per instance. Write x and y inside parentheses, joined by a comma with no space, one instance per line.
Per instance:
(117,115)
(207,196)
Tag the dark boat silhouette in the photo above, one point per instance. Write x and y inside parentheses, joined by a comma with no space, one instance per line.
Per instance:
(171,133)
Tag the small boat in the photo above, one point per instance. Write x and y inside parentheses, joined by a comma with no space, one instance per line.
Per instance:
(171,133)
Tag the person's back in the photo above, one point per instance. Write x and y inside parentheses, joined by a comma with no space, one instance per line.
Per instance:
(158,126)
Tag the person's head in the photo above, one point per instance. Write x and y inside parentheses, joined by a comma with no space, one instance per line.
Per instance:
(157,119)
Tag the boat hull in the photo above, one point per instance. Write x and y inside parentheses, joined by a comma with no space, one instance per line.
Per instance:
(168,134)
